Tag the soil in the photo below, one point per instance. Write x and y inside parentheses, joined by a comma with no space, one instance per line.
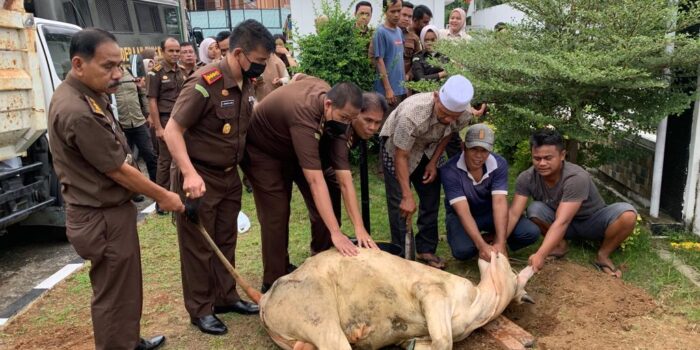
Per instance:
(576,307)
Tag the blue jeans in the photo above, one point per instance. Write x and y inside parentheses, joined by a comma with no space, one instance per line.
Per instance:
(462,246)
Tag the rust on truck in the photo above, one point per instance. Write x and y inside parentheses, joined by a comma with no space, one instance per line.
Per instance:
(22,109)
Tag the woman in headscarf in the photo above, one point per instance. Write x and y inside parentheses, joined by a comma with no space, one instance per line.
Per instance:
(421,67)
(282,52)
(457,25)
(209,51)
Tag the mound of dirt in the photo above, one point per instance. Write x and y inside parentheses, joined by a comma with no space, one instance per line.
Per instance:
(581,308)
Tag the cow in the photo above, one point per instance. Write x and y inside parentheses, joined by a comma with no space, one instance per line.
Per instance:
(376,299)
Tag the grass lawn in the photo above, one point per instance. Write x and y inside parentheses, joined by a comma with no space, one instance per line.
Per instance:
(67,307)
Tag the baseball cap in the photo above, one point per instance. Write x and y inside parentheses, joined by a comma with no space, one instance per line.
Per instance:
(479,135)
(456,93)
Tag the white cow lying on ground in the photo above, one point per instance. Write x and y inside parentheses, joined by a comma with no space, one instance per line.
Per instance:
(376,299)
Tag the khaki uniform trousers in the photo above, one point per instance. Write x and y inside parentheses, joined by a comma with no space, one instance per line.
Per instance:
(205,281)
(272,181)
(108,238)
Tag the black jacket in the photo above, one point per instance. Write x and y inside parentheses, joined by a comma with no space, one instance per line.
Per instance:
(422,69)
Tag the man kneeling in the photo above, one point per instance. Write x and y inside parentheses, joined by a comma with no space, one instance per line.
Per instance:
(476,185)
(567,205)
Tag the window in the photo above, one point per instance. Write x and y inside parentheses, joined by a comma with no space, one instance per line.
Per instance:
(84,12)
(69,13)
(58,43)
(148,18)
(172,22)
(114,15)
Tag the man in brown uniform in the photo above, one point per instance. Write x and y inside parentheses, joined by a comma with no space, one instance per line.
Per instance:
(98,178)
(283,146)
(207,137)
(411,41)
(364,127)
(165,82)
(188,59)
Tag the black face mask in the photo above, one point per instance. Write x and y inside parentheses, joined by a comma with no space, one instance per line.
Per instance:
(255,70)
(335,128)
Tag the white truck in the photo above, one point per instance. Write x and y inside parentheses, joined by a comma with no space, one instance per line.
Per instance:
(34,58)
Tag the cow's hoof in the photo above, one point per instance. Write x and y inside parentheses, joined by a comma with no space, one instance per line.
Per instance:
(210,324)
(241,307)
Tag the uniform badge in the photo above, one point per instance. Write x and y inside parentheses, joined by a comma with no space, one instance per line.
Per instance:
(228,103)
(226,129)
(212,76)
(317,135)
(129,159)
(224,92)
(94,107)
(165,77)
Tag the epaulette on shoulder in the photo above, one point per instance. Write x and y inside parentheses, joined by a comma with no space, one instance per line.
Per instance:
(157,67)
(211,76)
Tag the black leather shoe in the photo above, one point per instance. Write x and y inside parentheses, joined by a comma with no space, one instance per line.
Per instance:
(160,211)
(291,268)
(240,307)
(265,287)
(210,324)
(138,198)
(151,344)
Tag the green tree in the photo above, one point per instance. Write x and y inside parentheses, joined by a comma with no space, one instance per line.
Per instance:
(337,52)
(597,70)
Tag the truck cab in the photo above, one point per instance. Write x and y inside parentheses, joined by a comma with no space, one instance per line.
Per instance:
(35,59)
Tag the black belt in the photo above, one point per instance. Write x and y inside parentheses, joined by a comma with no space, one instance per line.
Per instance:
(206,165)
(164,114)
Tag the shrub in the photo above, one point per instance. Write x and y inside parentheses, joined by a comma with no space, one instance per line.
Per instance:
(337,52)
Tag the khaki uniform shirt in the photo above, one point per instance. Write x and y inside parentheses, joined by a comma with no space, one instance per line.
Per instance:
(164,83)
(131,103)
(412,127)
(216,114)
(86,143)
(288,124)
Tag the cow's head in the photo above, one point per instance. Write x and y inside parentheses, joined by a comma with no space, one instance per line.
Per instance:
(500,276)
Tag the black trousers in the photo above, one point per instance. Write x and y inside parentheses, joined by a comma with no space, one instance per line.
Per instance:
(141,138)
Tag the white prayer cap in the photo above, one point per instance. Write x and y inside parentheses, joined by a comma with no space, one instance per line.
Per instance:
(456,93)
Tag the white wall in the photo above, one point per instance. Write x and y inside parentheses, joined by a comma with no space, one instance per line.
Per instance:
(305,11)
(488,18)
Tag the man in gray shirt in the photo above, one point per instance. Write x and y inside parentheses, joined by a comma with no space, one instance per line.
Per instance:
(566,205)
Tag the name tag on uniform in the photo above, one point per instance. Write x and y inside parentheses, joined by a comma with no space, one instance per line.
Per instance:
(228,103)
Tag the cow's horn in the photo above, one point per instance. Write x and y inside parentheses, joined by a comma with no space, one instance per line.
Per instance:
(526,298)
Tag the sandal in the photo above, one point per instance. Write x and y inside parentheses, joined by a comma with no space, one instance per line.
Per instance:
(431,260)
(613,271)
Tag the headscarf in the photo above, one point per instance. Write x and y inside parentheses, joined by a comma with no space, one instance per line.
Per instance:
(204,50)
(463,28)
(425,30)
(146,62)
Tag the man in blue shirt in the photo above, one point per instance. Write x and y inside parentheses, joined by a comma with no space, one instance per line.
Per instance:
(388,55)
(476,185)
